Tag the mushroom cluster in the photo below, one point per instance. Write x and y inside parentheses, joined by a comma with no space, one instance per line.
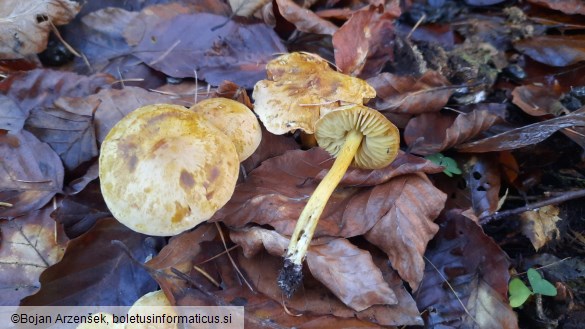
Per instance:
(164,168)
(303,92)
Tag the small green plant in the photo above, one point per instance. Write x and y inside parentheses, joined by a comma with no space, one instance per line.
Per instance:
(449,163)
(519,292)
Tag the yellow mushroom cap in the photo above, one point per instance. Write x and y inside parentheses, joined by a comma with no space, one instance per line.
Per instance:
(379,146)
(143,306)
(301,87)
(235,120)
(164,169)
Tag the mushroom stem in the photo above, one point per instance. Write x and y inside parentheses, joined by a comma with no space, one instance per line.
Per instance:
(291,276)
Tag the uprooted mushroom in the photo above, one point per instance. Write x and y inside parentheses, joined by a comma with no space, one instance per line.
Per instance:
(303,92)
(164,168)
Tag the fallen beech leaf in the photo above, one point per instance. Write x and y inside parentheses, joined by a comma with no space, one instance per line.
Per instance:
(30,175)
(270,146)
(30,89)
(364,43)
(447,130)
(304,19)
(221,49)
(111,105)
(406,94)
(11,116)
(570,7)
(300,88)
(347,271)
(275,193)
(524,136)
(555,50)
(93,271)
(29,246)
(540,225)
(71,135)
(477,273)
(78,213)
(405,229)
(483,2)
(25,24)
(538,100)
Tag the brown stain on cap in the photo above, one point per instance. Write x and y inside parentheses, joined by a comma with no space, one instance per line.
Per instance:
(186,180)
(180,213)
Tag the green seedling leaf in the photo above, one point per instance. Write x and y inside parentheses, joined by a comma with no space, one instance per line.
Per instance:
(540,285)
(519,292)
(449,163)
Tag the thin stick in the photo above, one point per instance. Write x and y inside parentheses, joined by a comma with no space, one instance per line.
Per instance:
(231,259)
(556,200)
(218,255)
(206,275)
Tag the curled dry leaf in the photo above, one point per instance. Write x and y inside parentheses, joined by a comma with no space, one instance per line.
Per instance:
(29,246)
(30,175)
(276,192)
(301,87)
(346,270)
(221,50)
(94,271)
(476,270)
(304,19)
(246,8)
(363,44)
(429,133)
(524,136)
(25,24)
(407,94)
(540,225)
(554,50)
(538,100)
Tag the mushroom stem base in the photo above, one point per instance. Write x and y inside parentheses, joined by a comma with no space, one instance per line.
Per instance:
(290,278)
(307,222)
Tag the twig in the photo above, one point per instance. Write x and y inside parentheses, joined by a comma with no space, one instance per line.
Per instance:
(231,259)
(556,200)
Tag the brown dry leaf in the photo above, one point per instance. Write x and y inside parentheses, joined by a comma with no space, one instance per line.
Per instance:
(11,116)
(270,146)
(95,271)
(540,225)
(407,94)
(179,254)
(31,173)
(28,246)
(304,19)
(111,105)
(301,87)
(405,229)
(538,100)
(477,273)
(275,193)
(430,133)
(30,89)
(222,49)
(524,136)
(364,43)
(25,24)
(570,7)
(346,270)
(71,135)
(557,50)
